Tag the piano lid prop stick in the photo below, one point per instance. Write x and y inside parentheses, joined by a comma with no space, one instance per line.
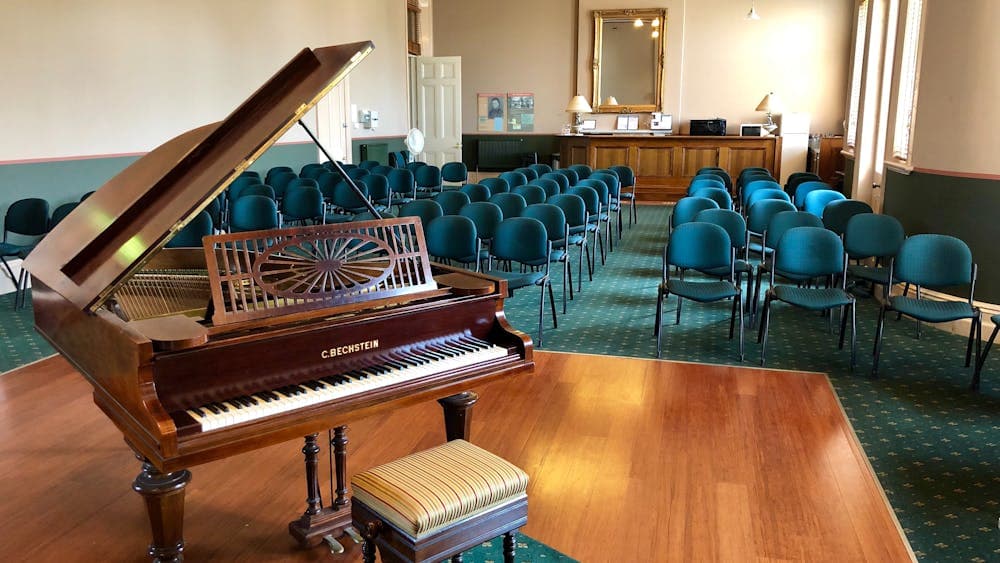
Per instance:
(343,173)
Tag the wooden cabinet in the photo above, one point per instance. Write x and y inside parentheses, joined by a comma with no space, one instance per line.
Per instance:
(664,165)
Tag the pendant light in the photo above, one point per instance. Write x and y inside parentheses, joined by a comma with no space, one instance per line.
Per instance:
(752,14)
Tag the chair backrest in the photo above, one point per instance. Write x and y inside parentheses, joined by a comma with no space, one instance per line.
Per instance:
(751,172)
(455,172)
(214,211)
(452,201)
(426,209)
(60,213)
(625,175)
(514,178)
(870,235)
(280,181)
(259,190)
(401,181)
(27,217)
(326,182)
(312,170)
(531,193)
(381,170)
(803,189)
(428,176)
(521,239)
(253,213)
(582,170)
(242,182)
(558,178)
(377,186)
(511,204)
(570,174)
(302,202)
(933,260)
(759,216)
(606,171)
(250,173)
(412,166)
(346,198)
(603,193)
(485,215)
(687,207)
(452,237)
(275,170)
(591,199)
(784,221)
(756,185)
(368,164)
(573,206)
(837,213)
(700,246)
(711,175)
(551,216)
(300,181)
(610,180)
(720,172)
(717,194)
(398,159)
(817,200)
(529,173)
(795,179)
(809,252)
(700,182)
(476,192)
(496,185)
(551,187)
(192,233)
(767,193)
(734,224)
(86,195)
(540,169)
(356,173)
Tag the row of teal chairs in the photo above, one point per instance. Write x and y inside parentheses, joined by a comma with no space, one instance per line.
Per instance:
(25,222)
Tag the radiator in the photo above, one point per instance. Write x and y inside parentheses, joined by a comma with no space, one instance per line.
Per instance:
(375,151)
(502,154)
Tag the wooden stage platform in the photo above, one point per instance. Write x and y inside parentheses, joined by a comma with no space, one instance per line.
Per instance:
(630,460)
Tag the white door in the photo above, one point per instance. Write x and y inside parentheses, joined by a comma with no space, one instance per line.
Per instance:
(437,107)
(333,123)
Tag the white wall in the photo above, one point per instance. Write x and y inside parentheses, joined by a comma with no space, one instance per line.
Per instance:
(122,76)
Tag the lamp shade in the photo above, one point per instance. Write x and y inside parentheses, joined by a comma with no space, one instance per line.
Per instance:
(610,101)
(770,103)
(579,104)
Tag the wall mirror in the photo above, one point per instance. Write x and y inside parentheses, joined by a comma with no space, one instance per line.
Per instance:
(628,60)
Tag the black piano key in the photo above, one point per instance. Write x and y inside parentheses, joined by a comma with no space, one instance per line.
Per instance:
(212,408)
(314,385)
(198,411)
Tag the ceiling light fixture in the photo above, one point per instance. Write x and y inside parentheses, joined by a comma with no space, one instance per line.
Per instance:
(655,34)
(638,22)
(752,14)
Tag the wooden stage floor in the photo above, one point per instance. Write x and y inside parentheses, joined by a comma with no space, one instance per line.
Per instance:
(630,460)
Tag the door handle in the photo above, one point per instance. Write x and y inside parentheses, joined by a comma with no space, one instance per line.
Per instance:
(458,146)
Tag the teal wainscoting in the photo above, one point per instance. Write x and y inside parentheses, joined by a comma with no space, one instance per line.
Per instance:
(848,176)
(962,207)
(395,144)
(542,145)
(62,181)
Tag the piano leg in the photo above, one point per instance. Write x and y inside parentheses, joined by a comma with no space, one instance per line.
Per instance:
(316,521)
(458,414)
(164,496)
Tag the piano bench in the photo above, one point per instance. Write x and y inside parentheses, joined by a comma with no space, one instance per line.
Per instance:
(437,503)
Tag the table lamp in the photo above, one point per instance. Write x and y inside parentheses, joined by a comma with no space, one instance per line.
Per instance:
(770,104)
(578,105)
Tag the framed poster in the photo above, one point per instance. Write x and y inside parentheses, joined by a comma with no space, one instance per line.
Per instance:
(521,111)
(490,110)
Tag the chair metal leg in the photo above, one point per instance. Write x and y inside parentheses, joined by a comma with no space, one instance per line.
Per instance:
(541,314)
(854,335)
(878,340)
(680,303)
(565,277)
(741,327)
(968,348)
(756,297)
(732,316)
(765,321)
(657,327)
(552,305)
(981,359)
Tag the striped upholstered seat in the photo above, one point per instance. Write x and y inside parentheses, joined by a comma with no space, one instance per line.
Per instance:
(427,491)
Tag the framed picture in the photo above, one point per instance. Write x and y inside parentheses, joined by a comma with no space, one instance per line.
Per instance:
(520,111)
(490,110)
(588,125)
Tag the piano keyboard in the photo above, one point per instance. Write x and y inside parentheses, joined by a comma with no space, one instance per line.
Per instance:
(391,367)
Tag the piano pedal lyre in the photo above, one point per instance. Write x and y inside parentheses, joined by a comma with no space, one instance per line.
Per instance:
(325,523)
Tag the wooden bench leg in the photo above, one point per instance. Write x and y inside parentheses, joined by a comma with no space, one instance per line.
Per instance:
(508,546)
(368,532)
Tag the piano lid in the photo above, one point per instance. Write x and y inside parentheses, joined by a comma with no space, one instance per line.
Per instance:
(125,222)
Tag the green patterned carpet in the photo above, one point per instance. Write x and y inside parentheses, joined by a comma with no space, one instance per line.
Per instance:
(19,343)
(933,444)
(527,549)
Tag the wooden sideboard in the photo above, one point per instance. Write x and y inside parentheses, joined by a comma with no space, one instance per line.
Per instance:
(665,164)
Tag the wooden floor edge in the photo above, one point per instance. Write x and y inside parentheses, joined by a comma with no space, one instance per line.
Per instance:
(689,362)
(29,364)
(871,470)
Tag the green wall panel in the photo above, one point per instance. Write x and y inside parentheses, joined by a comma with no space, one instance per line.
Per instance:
(542,145)
(394,143)
(962,207)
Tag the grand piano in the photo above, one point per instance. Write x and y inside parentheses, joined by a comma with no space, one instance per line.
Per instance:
(257,338)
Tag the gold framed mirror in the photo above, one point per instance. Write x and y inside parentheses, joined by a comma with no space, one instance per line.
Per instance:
(628,60)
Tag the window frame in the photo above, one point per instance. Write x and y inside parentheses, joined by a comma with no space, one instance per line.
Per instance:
(904,114)
(860,47)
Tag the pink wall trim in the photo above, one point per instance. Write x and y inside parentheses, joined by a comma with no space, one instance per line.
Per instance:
(956,174)
(96,156)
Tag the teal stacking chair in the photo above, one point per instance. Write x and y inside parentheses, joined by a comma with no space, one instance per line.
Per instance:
(250,173)
(380,170)
(510,204)
(551,187)
(357,173)
(932,261)
(346,201)
(873,238)
(575,211)
(476,192)
(368,164)
(627,191)
(259,190)
(452,201)
(557,229)
(570,174)
(837,213)
(523,241)
(699,247)
(530,173)
(192,233)
(604,200)
(426,209)
(685,210)
(758,219)
(253,213)
(60,213)
(558,178)
(766,193)
(274,171)
(301,181)
(779,224)
(377,187)
(806,253)
(592,202)
(312,170)
(718,195)
(977,375)
(698,183)
(402,188)
(582,171)
(28,220)
(754,186)
(496,185)
(414,165)
(279,183)
(301,204)
(453,238)
(454,173)
(531,193)
(736,227)
(798,178)
(514,178)
(721,172)
(486,216)
(428,178)
(540,169)
(804,188)
(242,182)
(817,200)
(614,203)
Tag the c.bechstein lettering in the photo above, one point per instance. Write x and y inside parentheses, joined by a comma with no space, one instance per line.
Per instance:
(349,349)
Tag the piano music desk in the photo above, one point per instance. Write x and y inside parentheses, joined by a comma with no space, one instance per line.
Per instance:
(629,460)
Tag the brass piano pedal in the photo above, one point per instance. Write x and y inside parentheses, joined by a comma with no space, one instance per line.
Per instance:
(350,531)
(336,548)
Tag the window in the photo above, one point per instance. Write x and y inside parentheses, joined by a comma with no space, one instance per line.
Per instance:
(859,63)
(413,27)
(906,100)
